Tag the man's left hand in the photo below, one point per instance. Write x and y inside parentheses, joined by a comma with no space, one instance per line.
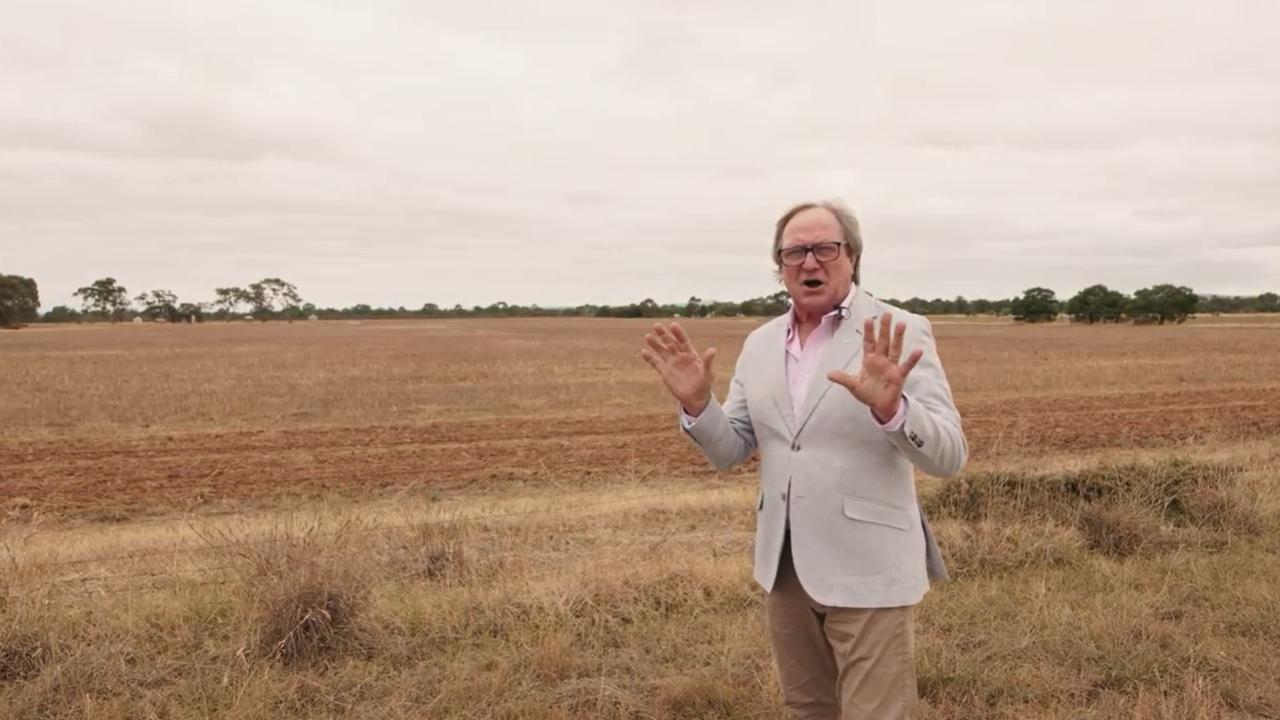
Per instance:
(878,385)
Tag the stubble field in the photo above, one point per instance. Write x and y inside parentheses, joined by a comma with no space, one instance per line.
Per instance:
(498,518)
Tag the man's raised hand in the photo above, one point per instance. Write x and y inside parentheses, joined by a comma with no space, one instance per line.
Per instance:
(687,375)
(879,384)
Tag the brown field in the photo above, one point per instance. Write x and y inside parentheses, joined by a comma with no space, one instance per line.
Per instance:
(498,518)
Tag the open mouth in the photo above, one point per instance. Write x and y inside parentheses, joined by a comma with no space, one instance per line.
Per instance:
(812,283)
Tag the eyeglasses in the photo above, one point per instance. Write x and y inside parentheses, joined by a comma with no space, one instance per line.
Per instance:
(822,252)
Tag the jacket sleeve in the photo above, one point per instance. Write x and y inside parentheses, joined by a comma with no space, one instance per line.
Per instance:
(931,435)
(724,433)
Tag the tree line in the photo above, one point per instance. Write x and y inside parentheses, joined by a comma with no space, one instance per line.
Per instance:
(107,300)
(276,299)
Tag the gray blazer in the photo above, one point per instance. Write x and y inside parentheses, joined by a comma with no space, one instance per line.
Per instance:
(858,537)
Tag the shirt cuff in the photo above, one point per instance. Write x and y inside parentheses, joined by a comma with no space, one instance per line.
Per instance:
(895,422)
(687,420)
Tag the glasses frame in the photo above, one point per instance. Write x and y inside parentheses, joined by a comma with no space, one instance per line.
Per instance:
(810,249)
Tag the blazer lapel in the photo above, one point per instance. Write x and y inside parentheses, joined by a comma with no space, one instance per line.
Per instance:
(776,371)
(845,347)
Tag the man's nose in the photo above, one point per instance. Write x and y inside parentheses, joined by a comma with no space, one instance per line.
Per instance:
(811,261)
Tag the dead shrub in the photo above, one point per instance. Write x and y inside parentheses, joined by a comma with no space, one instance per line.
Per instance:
(1168,488)
(23,655)
(990,546)
(306,587)
(1226,508)
(1119,531)
(437,551)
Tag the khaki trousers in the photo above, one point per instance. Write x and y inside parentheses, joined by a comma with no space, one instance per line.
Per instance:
(839,663)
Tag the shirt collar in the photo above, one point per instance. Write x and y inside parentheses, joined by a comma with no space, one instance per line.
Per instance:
(839,312)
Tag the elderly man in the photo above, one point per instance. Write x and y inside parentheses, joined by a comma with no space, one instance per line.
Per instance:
(841,546)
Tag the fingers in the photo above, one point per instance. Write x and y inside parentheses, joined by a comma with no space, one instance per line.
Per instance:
(658,347)
(673,346)
(895,348)
(843,378)
(707,357)
(884,336)
(649,357)
(910,364)
(869,337)
(681,339)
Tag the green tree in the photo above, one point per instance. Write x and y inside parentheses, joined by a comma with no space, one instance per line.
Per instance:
(191,312)
(19,300)
(61,313)
(268,293)
(1037,304)
(1097,303)
(1162,304)
(159,304)
(228,300)
(1268,302)
(105,297)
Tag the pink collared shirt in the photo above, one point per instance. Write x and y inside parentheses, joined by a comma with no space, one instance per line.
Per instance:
(802,360)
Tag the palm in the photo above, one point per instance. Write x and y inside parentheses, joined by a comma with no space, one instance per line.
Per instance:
(687,375)
(879,383)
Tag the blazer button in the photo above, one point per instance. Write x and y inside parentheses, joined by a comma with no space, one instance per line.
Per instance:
(795,447)
(784,496)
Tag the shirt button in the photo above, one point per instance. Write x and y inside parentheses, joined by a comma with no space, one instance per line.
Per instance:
(784,496)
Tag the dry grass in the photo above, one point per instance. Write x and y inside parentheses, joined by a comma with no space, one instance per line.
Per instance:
(498,520)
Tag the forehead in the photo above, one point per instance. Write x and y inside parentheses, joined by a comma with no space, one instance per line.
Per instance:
(810,226)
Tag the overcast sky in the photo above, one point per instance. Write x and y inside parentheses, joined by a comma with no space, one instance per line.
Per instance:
(570,151)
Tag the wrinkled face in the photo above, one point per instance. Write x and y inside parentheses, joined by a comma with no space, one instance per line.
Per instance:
(816,287)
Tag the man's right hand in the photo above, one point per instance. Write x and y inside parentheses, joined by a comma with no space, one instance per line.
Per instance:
(686,374)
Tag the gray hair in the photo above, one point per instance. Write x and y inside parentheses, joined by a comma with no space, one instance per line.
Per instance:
(848,228)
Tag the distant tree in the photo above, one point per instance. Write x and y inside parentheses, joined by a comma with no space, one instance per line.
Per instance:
(61,314)
(777,303)
(1268,302)
(229,300)
(1162,304)
(191,312)
(19,300)
(430,309)
(106,298)
(159,304)
(1037,304)
(961,306)
(1097,303)
(693,308)
(268,293)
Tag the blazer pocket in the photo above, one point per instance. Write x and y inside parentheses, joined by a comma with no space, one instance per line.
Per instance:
(876,512)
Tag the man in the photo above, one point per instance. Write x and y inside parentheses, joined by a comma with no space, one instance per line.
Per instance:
(841,546)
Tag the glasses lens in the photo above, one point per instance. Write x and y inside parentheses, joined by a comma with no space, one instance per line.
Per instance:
(793,255)
(826,252)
